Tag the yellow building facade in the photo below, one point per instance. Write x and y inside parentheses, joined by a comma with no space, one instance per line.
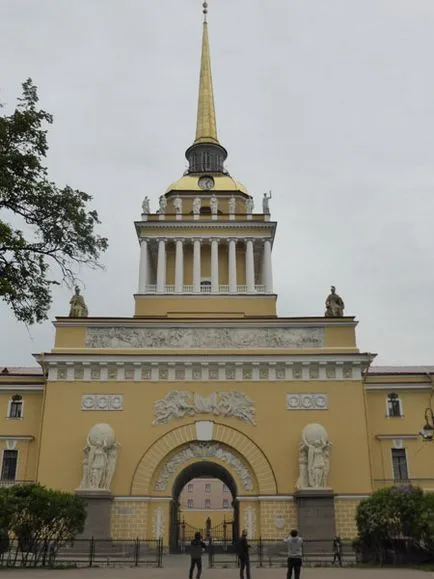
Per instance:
(205,380)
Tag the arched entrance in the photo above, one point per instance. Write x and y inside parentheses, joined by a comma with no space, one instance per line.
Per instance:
(200,470)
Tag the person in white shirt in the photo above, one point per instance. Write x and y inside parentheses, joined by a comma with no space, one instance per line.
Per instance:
(295,554)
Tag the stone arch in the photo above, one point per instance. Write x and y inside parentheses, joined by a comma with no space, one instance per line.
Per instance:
(141,483)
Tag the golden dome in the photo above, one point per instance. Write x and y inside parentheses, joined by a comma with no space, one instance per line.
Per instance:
(221,183)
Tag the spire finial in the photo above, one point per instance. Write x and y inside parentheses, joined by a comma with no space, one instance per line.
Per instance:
(205,10)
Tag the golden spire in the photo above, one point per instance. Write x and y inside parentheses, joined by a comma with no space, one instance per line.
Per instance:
(206,129)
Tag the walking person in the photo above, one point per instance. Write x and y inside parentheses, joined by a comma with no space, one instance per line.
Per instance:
(337,551)
(295,554)
(243,555)
(197,547)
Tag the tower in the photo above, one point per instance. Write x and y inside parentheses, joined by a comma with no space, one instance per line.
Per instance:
(204,252)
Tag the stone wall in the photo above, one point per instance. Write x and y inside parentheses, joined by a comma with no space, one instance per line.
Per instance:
(345,510)
(277,518)
(129,519)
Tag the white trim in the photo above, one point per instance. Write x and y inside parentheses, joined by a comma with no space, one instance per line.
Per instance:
(238,323)
(139,499)
(16,437)
(22,388)
(392,386)
(396,436)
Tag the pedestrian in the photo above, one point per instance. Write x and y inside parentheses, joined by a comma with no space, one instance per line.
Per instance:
(197,547)
(337,550)
(295,554)
(243,555)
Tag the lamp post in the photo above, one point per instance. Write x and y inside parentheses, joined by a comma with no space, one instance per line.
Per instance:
(427,432)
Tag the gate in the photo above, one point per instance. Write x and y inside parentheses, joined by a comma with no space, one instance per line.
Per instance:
(221,536)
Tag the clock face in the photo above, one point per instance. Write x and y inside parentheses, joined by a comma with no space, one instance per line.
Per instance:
(206,183)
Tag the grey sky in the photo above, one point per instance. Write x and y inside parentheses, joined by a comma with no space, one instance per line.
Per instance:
(328,103)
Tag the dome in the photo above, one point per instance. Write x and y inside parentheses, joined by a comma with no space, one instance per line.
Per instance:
(222,183)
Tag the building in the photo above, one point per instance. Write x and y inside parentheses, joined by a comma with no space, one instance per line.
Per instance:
(205,381)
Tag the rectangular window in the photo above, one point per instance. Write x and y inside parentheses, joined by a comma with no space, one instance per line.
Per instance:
(394,405)
(15,408)
(190,504)
(207,488)
(9,466)
(207,503)
(399,464)
(225,503)
(190,488)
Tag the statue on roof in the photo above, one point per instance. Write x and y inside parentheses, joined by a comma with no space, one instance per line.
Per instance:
(213,204)
(249,205)
(266,203)
(177,204)
(196,206)
(145,206)
(163,205)
(231,205)
(78,306)
(334,305)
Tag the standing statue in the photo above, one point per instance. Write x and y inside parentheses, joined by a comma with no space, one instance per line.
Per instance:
(145,206)
(231,205)
(196,206)
(163,204)
(266,203)
(213,204)
(334,305)
(314,458)
(177,204)
(100,457)
(78,307)
(249,205)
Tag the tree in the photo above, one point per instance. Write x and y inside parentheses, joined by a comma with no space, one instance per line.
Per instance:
(41,225)
(40,520)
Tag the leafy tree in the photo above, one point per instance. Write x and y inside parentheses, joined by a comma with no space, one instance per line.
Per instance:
(41,225)
(40,520)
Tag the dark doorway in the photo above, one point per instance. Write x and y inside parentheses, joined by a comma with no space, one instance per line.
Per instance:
(203,469)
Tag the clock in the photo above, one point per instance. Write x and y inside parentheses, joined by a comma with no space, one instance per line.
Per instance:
(206,183)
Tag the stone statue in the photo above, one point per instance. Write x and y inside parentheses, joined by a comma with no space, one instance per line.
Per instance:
(177,204)
(145,206)
(231,205)
(163,205)
(78,307)
(249,205)
(314,458)
(334,305)
(213,204)
(100,457)
(265,204)
(196,206)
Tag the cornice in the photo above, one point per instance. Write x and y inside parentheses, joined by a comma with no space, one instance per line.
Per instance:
(22,387)
(16,437)
(388,386)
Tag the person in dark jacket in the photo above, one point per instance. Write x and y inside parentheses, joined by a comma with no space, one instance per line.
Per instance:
(243,555)
(337,551)
(197,547)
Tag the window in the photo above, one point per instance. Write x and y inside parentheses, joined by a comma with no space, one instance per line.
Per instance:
(9,466)
(225,503)
(15,407)
(205,286)
(190,504)
(207,503)
(207,488)
(190,488)
(225,489)
(399,464)
(394,407)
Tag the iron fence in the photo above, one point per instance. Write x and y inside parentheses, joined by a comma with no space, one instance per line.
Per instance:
(274,553)
(84,553)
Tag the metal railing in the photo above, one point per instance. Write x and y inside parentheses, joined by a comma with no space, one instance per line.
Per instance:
(205,289)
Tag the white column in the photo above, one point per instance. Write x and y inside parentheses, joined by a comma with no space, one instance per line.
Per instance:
(161,266)
(250,266)
(179,266)
(143,266)
(232,267)
(196,266)
(267,269)
(214,266)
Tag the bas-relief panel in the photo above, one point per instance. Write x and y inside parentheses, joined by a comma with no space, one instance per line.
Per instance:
(124,337)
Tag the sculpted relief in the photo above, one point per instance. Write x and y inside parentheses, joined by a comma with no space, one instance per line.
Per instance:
(125,337)
(204,450)
(181,404)
(314,458)
(100,457)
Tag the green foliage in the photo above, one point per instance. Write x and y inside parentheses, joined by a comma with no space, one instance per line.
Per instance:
(57,228)
(39,520)
(394,518)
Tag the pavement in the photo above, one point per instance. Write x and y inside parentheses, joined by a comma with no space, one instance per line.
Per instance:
(176,567)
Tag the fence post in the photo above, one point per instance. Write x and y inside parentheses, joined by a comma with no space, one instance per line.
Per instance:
(91,551)
(136,552)
(160,548)
(260,552)
(210,554)
(225,547)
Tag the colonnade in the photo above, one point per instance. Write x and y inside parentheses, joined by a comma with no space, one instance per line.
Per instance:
(146,285)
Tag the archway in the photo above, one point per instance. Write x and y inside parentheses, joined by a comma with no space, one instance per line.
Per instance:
(202,469)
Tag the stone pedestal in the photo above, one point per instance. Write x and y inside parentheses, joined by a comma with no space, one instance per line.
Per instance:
(316,513)
(99,508)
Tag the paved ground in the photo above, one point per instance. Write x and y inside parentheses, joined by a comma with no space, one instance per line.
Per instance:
(177,568)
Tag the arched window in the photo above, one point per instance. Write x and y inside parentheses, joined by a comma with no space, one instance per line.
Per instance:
(205,286)
(15,407)
(394,406)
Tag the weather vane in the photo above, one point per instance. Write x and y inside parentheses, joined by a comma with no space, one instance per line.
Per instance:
(205,10)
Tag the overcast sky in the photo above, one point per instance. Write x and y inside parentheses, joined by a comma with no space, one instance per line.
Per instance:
(328,103)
